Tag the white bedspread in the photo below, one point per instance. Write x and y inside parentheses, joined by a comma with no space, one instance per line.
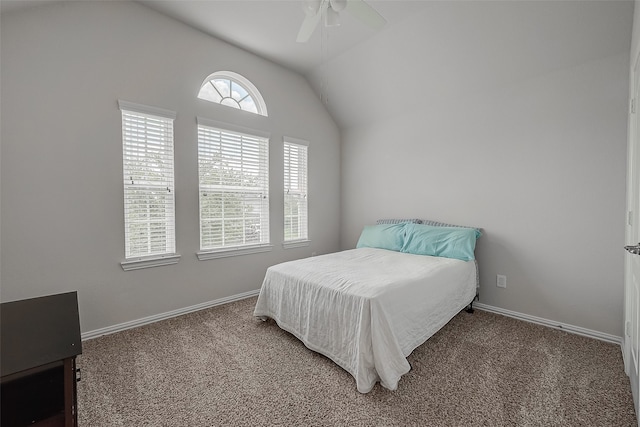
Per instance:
(366,309)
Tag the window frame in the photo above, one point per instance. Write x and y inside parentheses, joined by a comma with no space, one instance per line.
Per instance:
(244,249)
(304,192)
(138,260)
(241,81)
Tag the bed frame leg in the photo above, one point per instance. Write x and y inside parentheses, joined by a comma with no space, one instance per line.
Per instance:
(469,308)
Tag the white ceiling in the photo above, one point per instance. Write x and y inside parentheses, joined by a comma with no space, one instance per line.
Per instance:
(268,28)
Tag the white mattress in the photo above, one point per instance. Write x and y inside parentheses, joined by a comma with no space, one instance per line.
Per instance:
(367,309)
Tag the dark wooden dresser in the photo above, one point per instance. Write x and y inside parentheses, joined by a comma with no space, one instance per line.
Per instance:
(39,342)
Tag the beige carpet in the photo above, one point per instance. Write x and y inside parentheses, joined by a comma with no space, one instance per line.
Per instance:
(222,367)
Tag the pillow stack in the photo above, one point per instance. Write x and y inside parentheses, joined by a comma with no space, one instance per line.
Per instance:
(420,239)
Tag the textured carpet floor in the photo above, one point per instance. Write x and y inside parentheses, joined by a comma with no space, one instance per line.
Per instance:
(222,367)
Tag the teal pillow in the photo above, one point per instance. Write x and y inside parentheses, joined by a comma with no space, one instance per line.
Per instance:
(383,236)
(448,242)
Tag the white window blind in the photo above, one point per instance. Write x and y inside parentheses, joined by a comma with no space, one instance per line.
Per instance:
(149,204)
(234,188)
(295,191)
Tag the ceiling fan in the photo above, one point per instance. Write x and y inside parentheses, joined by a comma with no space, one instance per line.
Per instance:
(314,9)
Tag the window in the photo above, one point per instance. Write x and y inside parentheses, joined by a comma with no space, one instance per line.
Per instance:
(233,90)
(233,169)
(295,192)
(149,206)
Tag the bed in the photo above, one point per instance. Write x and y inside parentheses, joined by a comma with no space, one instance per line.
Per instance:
(368,308)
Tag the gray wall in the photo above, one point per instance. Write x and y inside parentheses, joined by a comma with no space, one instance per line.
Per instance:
(64,66)
(510,116)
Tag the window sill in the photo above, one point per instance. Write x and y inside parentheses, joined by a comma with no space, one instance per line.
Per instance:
(229,252)
(148,262)
(295,244)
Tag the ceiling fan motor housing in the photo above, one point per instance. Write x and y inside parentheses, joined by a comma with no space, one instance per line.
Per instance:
(330,10)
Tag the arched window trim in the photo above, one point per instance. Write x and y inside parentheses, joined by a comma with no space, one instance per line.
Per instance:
(243,82)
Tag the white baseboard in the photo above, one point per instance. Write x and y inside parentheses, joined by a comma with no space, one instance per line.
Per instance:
(162,316)
(516,315)
(551,324)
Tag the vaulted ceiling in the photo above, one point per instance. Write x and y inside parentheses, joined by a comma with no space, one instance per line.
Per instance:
(435,50)
(269,28)
(427,49)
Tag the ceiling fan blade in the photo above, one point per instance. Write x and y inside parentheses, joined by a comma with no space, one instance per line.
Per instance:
(338,5)
(365,13)
(311,7)
(308,26)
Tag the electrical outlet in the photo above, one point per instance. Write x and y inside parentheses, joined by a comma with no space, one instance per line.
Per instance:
(501,281)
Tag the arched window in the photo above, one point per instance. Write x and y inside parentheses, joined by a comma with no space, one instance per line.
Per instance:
(233,90)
